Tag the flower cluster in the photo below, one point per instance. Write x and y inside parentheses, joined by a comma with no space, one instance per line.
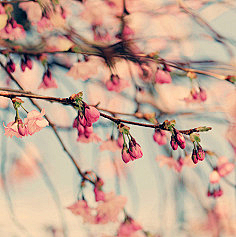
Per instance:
(133,152)
(26,62)
(32,124)
(87,115)
(198,153)
(199,95)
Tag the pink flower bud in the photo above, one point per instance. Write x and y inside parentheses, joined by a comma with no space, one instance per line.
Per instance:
(159,137)
(82,120)
(162,77)
(194,94)
(23,65)
(202,94)
(180,140)
(88,131)
(75,123)
(120,140)
(80,129)
(21,127)
(110,86)
(115,79)
(200,153)
(92,115)
(225,169)
(126,157)
(28,62)
(194,156)
(99,194)
(173,143)
(8,28)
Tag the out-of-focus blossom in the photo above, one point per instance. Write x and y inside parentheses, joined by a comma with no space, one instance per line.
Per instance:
(128,227)
(160,137)
(224,167)
(110,145)
(92,138)
(109,209)
(48,81)
(84,70)
(116,83)
(82,209)
(162,77)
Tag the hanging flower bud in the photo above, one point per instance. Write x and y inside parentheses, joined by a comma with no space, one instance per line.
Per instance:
(160,137)
(11,67)
(200,153)
(28,62)
(126,157)
(92,115)
(21,128)
(120,140)
(180,140)
(194,156)
(202,94)
(162,77)
(22,65)
(173,143)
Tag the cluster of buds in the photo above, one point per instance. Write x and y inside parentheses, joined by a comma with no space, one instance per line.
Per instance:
(200,95)
(177,139)
(10,67)
(160,137)
(26,62)
(214,189)
(198,153)
(163,75)
(87,115)
(133,152)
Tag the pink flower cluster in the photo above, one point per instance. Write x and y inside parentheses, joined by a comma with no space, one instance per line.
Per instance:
(196,96)
(32,124)
(26,62)
(116,83)
(177,139)
(198,154)
(133,152)
(83,122)
(12,30)
(160,137)
(108,209)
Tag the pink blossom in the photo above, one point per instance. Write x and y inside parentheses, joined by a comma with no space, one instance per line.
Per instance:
(162,77)
(160,137)
(48,81)
(126,157)
(92,115)
(92,138)
(117,84)
(99,194)
(224,166)
(109,209)
(128,227)
(110,145)
(35,121)
(81,208)
(84,70)
(12,130)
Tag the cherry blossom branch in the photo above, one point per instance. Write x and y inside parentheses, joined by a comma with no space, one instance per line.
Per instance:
(67,101)
(51,125)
